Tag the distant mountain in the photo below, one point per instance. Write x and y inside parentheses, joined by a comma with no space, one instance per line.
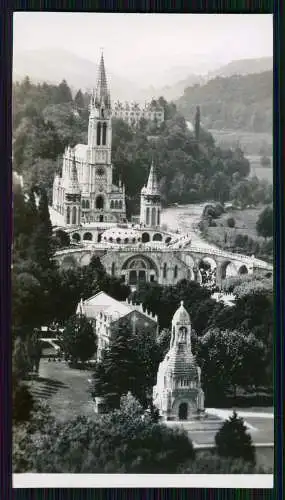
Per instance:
(235,102)
(243,67)
(54,65)
(171,92)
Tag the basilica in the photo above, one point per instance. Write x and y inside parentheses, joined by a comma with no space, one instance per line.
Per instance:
(91,209)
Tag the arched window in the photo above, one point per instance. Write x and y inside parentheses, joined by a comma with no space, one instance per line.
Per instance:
(120,204)
(158,217)
(157,237)
(87,236)
(164,270)
(104,134)
(147,216)
(112,204)
(99,202)
(113,268)
(68,215)
(98,133)
(87,204)
(118,240)
(153,221)
(83,204)
(74,215)
(116,205)
(175,272)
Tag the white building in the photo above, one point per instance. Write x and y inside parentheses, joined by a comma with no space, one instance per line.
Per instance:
(132,112)
(106,314)
(178,394)
(84,192)
(150,208)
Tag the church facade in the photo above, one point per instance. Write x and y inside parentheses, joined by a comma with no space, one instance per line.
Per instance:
(178,394)
(85,192)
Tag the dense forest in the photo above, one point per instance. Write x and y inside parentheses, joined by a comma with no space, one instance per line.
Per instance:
(46,118)
(236,102)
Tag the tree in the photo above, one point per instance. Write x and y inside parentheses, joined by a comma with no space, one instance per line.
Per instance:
(116,374)
(21,363)
(264,225)
(63,93)
(197,123)
(233,440)
(79,100)
(231,222)
(22,403)
(79,340)
(115,443)
(265,161)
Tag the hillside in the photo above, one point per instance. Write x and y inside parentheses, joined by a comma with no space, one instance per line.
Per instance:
(236,102)
(243,67)
(54,65)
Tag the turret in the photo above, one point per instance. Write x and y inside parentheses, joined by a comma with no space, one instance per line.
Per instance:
(72,193)
(151,201)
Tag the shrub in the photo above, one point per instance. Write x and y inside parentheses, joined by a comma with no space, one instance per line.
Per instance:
(231,222)
(233,440)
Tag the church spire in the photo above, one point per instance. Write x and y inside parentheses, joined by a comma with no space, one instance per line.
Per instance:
(102,95)
(152,183)
(73,184)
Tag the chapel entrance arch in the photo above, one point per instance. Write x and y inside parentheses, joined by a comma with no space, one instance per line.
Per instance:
(139,269)
(183,411)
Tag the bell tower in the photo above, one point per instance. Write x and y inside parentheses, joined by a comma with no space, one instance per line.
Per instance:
(100,126)
(150,209)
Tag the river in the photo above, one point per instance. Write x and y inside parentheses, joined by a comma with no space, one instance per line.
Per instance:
(185,218)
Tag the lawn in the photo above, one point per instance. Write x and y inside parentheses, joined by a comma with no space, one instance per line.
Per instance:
(65,389)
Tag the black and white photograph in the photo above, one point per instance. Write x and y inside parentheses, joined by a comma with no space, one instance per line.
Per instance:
(142,253)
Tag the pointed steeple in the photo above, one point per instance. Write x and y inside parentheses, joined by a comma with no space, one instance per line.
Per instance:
(102,95)
(72,186)
(152,183)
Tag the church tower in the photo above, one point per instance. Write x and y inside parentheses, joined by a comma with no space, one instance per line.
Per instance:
(178,394)
(72,192)
(150,209)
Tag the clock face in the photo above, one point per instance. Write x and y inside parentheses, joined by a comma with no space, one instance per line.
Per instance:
(100,171)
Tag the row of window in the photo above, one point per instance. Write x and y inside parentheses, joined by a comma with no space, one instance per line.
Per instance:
(71,215)
(117,204)
(154,215)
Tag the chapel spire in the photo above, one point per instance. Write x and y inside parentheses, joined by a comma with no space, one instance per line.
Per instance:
(152,183)
(102,95)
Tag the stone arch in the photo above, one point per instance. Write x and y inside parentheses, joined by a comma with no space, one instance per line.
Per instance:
(74,215)
(145,237)
(76,237)
(168,239)
(118,240)
(126,240)
(243,269)
(227,269)
(183,411)
(88,236)
(153,216)
(100,202)
(207,269)
(157,237)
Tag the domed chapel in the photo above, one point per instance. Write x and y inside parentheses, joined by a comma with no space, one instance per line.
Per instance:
(178,394)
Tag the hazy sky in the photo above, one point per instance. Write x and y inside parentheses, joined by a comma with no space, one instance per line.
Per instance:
(137,43)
